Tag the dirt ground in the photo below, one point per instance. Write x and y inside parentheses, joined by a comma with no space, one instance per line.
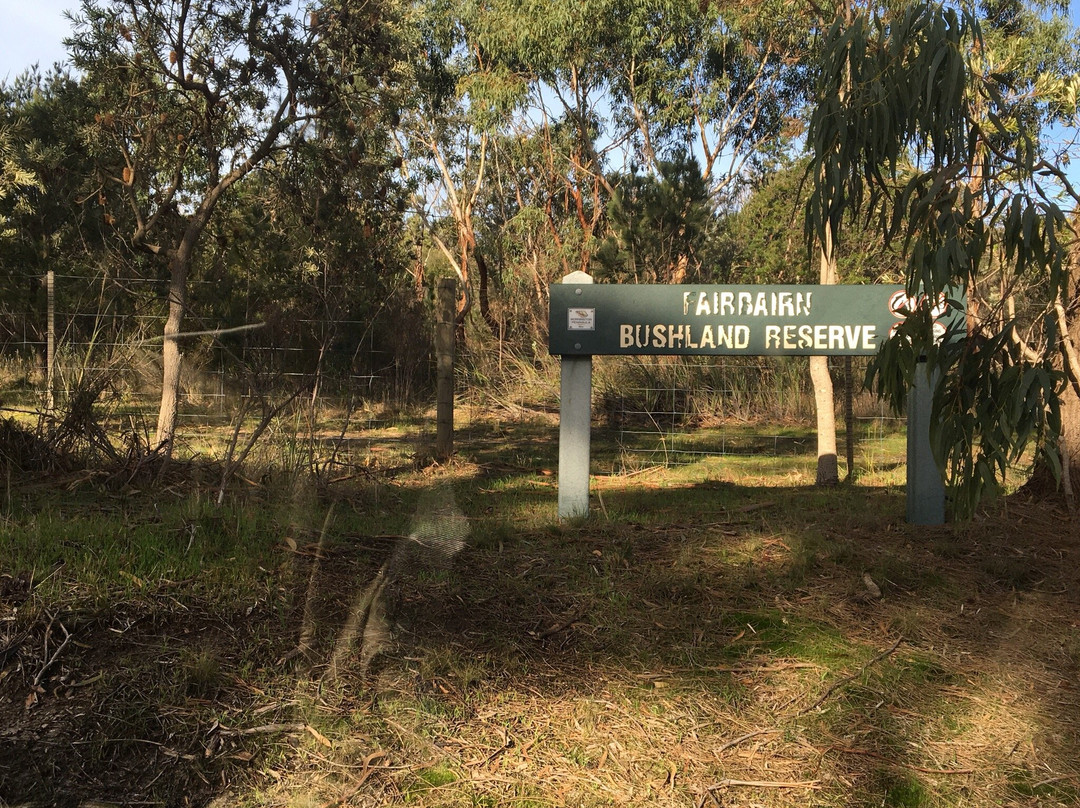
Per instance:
(721,642)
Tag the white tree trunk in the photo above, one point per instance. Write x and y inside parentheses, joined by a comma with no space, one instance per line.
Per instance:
(171,356)
(827,468)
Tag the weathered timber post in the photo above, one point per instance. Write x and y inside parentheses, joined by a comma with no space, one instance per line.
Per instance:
(50,344)
(925,489)
(575,420)
(445,327)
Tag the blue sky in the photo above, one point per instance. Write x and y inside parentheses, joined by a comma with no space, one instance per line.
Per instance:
(32,31)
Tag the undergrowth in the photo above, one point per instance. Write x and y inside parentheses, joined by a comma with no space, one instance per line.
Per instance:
(707,636)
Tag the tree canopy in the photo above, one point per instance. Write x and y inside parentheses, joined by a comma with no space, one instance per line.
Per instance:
(915,118)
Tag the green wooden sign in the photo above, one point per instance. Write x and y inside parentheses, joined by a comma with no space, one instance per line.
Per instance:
(768,320)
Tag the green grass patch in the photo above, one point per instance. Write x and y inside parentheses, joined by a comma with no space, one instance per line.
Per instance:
(1039,786)
(778,634)
(905,792)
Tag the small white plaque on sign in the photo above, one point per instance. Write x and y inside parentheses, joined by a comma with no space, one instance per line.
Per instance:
(581,320)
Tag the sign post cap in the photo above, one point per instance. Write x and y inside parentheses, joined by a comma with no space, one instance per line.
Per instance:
(577,277)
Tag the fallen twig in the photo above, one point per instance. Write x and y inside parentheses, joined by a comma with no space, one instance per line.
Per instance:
(265,729)
(1051,780)
(780,666)
(603,507)
(742,738)
(56,653)
(576,615)
(843,681)
(358,780)
(766,784)
(508,744)
(86,682)
(318,736)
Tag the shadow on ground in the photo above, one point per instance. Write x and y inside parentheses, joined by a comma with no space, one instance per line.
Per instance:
(702,639)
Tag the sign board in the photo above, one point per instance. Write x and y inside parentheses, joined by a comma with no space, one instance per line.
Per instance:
(764,320)
(589,319)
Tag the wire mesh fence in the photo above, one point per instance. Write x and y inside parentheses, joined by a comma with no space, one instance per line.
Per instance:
(676,411)
(107,329)
(653,410)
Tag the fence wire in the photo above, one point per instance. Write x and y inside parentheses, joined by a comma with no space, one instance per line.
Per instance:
(654,410)
(108,329)
(690,410)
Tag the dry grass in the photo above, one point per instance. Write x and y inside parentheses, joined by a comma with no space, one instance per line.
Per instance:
(708,638)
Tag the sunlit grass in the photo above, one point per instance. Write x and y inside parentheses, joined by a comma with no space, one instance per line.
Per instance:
(607,660)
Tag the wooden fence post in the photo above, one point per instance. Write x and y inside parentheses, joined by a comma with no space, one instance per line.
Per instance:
(445,328)
(50,345)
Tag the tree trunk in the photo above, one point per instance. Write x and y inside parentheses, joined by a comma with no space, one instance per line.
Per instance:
(179,268)
(485,303)
(1070,446)
(849,419)
(1070,396)
(827,468)
(171,357)
(1042,482)
(828,472)
(446,301)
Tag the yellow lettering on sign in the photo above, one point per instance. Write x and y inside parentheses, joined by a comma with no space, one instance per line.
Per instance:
(703,305)
(869,337)
(785,305)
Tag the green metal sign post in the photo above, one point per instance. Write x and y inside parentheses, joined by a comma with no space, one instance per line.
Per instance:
(575,427)
(925,489)
(587,319)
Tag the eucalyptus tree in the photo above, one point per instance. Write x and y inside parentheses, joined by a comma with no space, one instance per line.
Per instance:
(555,60)
(646,82)
(506,94)
(725,80)
(195,95)
(762,241)
(927,115)
(729,81)
(496,76)
(443,140)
